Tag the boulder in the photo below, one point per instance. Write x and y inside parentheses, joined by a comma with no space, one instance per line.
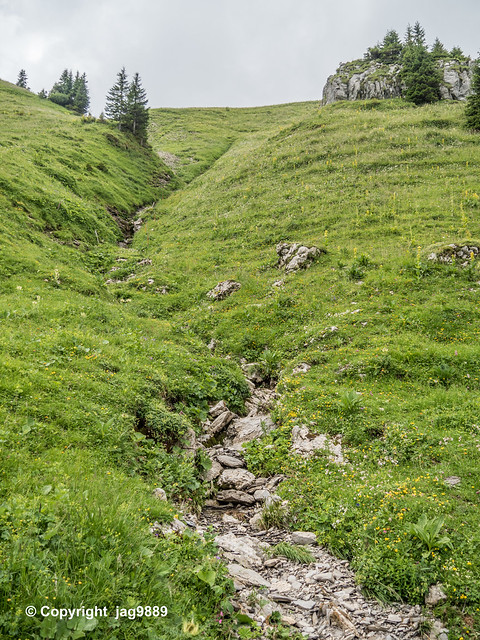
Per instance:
(218,409)
(160,494)
(230,461)
(435,595)
(214,471)
(247,576)
(223,290)
(305,444)
(247,429)
(242,547)
(220,422)
(304,538)
(293,256)
(239,479)
(236,497)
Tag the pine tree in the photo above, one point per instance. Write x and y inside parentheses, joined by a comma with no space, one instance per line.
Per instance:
(408,36)
(42,94)
(116,101)
(391,48)
(22,80)
(472,109)
(137,116)
(458,54)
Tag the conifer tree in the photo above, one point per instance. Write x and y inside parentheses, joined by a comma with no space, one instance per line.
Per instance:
(421,75)
(418,34)
(116,101)
(458,54)
(22,79)
(438,50)
(80,97)
(137,116)
(472,109)
(42,94)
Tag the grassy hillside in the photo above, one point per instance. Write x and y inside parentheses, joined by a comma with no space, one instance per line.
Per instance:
(375,184)
(82,378)
(89,365)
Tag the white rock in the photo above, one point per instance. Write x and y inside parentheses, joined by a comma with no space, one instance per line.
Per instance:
(160,494)
(435,595)
(246,429)
(239,479)
(304,538)
(247,576)
(214,471)
(230,461)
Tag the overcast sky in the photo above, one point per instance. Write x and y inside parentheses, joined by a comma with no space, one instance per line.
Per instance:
(213,52)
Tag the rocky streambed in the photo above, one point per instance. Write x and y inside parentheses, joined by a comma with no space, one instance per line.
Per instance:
(318,598)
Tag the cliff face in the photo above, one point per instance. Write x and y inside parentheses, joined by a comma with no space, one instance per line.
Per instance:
(364,80)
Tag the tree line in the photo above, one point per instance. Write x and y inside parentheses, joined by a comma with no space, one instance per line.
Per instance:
(126,102)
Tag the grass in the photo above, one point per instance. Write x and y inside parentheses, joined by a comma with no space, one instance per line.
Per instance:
(99,380)
(292,552)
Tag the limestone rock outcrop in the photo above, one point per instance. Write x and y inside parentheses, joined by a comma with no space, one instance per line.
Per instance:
(361,80)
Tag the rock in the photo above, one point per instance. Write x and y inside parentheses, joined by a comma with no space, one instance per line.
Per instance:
(247,576)
(326,576)
(220,422)
(160,494)
(289,620)
(256,521)
(293,256)
(379,81)
(438,631)
(307,605)
(214,471)
(304,538)
(218,409)
(393,617)
(189,443)
(230,461)
(228,519)
(435,595)
(452,480)
(305,444)
(235,479)
(178,526)
(261,495)
(237,497)
(242,548)
(223,290)
(247,429)
(303,367)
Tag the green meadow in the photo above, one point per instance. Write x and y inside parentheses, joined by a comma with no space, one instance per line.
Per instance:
(100,381)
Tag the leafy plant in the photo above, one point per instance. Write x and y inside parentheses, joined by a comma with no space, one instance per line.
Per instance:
(428,532)
(350,401)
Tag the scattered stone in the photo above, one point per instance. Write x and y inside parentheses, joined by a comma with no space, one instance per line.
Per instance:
(261,495)
(304,604)
(435,595)
(256,521)
(452,480)
(224,289)
(305,444)
(301,368)
(304,538)
(160,494)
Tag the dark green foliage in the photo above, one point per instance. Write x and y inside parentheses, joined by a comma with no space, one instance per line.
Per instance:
(42,94)
(22,79)
(116,100)
(420,74)
(389,51)
(472,110)
(439,51)
(71,92)
(136,119)
(457,54)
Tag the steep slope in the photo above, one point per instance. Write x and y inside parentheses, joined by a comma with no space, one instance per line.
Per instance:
(397,378)
(87,390)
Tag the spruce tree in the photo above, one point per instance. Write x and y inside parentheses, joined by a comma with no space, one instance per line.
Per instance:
(421,75)
(80,97)
(472,109)
(22,79)
(439,51)
(42,94)
(116,101)
(137,113)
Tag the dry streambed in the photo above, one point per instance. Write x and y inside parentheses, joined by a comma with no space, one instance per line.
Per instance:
(320,598)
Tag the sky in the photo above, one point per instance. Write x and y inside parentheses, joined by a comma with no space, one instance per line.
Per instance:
(213,52)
